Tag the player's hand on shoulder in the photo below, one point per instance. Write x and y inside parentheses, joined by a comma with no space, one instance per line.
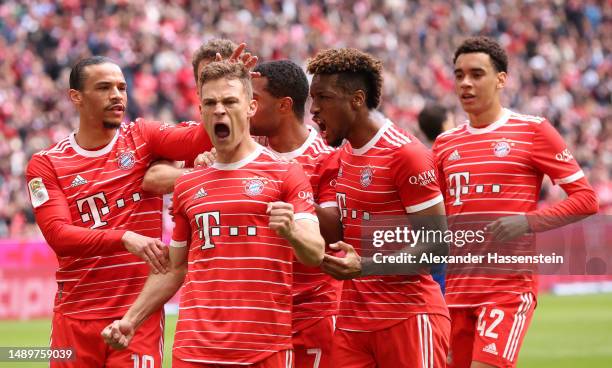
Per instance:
(342,268)
(207,158)
(281,218)
(118,334)
(151,250)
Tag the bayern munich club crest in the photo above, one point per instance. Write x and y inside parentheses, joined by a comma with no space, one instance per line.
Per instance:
(367,174)
(255,186)
(126,160)
(502,148)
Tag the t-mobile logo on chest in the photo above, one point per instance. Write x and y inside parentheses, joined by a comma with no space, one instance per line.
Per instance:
(209,226)
(346,213)
(459,184)
(93,207)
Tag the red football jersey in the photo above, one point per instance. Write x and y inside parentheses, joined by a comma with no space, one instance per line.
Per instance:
(392,175)
(492,172)
(315,294)
(236,300)
(84,201)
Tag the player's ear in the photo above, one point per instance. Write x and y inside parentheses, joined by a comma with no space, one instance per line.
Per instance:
(285,104)
(75,96)
(501,79)
(358,99)
(252,108)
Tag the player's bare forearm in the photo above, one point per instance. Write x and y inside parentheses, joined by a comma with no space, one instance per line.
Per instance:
(329,223)
(161,176)
(307,242)
(159,288)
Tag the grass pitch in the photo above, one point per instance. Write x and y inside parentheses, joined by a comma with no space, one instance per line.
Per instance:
(566,332)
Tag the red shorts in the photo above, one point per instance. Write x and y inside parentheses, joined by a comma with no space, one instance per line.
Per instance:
(83,336)
(312,345)
(491,333)
(282,359)
(419,341)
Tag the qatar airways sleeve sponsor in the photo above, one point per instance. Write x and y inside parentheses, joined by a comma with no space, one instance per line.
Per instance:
(415,179)
(298,191)
(552,156)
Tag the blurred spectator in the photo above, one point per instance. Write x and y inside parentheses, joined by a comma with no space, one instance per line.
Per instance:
(433,120)
(559,54)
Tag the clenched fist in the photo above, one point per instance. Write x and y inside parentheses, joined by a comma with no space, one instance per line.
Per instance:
(281,218)
(118,334)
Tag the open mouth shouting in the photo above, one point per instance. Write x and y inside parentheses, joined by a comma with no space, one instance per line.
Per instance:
(222,130)
(322,126)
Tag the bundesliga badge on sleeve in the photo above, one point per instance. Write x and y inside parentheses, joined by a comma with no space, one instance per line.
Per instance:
(38,192)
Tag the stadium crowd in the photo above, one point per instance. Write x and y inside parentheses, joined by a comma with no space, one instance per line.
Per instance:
(559,51)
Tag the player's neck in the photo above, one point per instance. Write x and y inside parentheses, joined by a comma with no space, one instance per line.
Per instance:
(89,138)
(241,151)
(291,135)
(364,128)
(487,117)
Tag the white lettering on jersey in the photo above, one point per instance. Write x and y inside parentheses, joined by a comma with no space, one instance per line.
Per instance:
(458,187)
(307,196)
(94,212)
(341,198)
(204,229)
(564,156)
(424,178)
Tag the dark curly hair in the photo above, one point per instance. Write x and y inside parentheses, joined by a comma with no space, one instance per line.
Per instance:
(355,69)
(486,45)
(209,50)
(286,79)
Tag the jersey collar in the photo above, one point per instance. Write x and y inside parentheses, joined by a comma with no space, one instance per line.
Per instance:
(97,153)
(300,150)
(491,127)
(239,164)
(374,115)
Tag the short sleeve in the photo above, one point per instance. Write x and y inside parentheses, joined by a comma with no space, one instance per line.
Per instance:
(296,189)
(182,230)
(326,190)
(551,156)
(437,160)
(416,177)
